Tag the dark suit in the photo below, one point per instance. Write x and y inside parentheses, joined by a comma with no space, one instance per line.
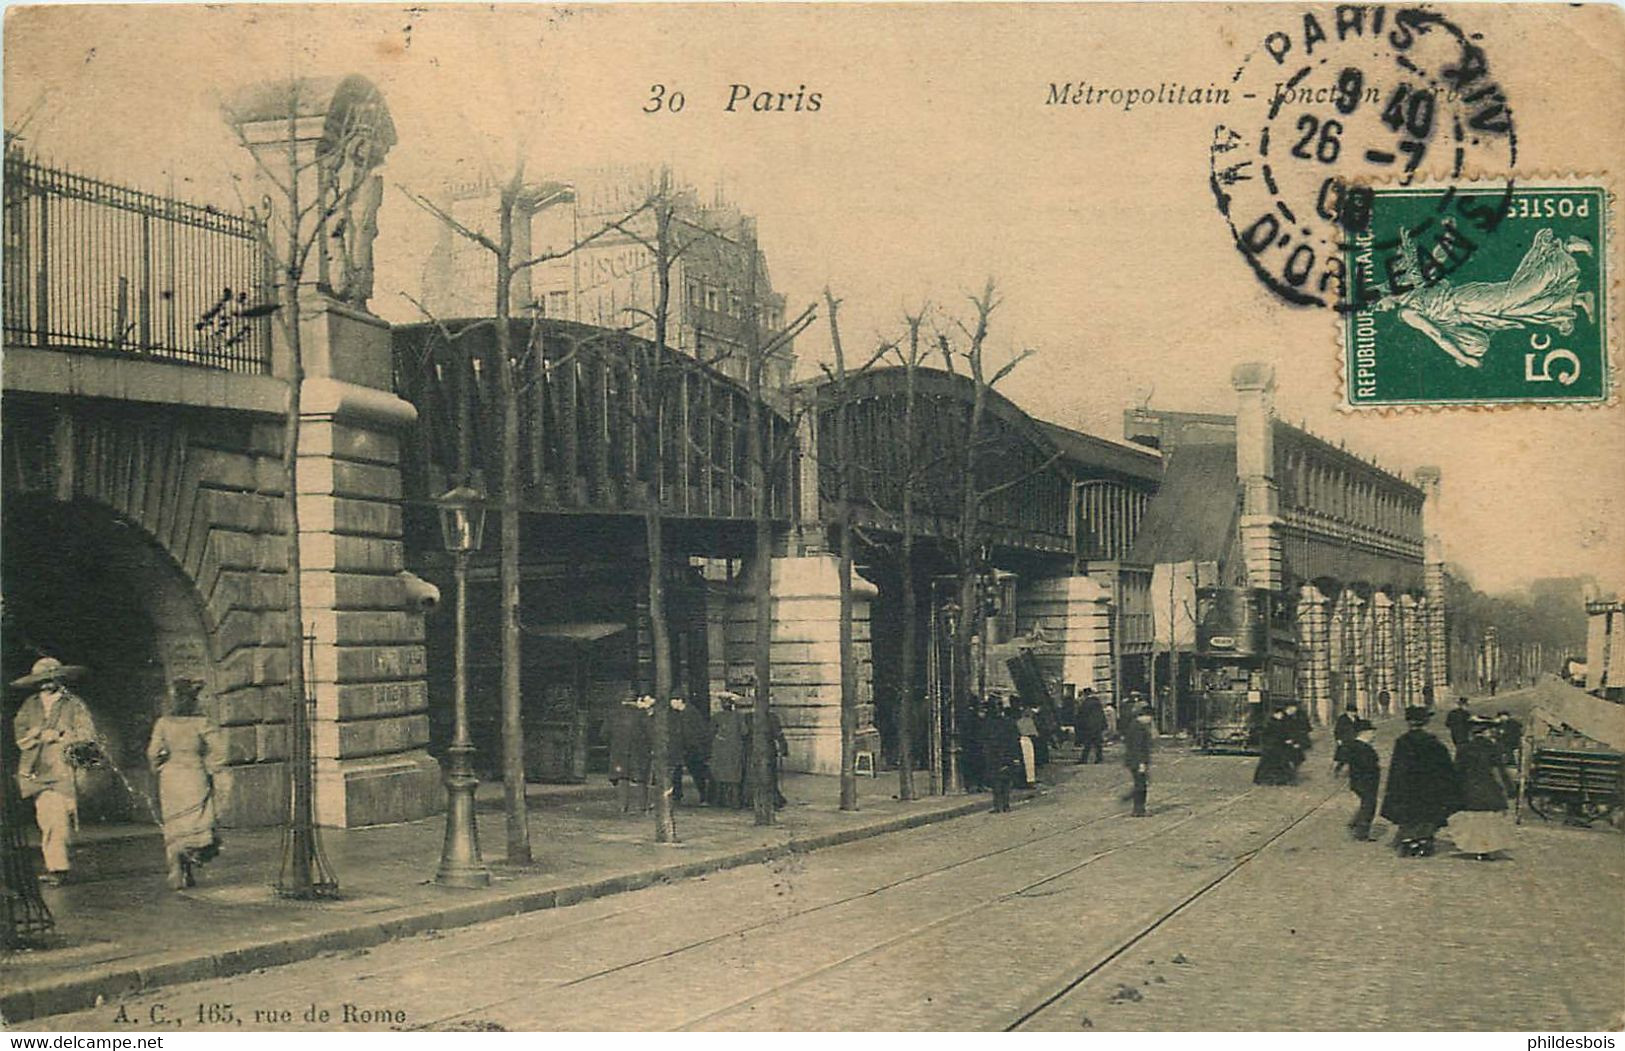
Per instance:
(1137,757)
(1002,753)
(1091,728)
(1365,773)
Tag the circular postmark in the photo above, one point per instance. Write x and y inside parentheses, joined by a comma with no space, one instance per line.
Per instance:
(1345,99)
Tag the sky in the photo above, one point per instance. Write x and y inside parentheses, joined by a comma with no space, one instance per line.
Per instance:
(931,164)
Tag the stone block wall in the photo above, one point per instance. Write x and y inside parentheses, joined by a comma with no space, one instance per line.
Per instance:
(806,686)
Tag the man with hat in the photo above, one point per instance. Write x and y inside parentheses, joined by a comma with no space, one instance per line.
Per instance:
(1422,789)
(53,727)
(1365,773)
(1137,739)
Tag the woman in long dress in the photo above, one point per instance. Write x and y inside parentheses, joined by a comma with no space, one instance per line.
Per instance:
(179,753)
(1461,319)
(1422,788)
(1482,826)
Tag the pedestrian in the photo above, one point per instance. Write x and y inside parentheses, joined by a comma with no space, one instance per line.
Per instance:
(1482,826)
(727,752)
(1456,722)
(1091,727)
(629,755)
(1044,730)
(55,736)
(1510,734)
(1365,773)
(1004,753)
(1069,711)
(1384,699)
(1422,789)
(975,767)
(180,755)
(1343,733)
(777,749)
(1275,765)
(1028,728)
(1112,721)
(1298,741)
(1137,740)
(693,746)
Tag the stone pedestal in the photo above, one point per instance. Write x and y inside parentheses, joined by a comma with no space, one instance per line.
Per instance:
(806,686)
(1074,616)
(371,724)
(1314,655)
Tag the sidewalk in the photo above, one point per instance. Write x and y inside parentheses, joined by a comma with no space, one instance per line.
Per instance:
(120,929)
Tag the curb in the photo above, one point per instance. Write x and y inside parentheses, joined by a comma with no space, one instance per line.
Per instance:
(114,982)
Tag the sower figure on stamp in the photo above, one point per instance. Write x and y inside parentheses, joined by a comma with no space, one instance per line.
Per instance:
(1137,740)
(1461,319)
(179,753)
(54,730)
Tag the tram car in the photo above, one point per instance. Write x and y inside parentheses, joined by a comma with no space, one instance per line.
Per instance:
(1245,662)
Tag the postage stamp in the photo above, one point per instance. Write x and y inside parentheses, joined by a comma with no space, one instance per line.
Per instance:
(1507,306)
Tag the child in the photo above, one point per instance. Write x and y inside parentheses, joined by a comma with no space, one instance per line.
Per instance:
(1365,771)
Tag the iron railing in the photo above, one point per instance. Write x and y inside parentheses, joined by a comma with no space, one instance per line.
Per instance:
(94,266)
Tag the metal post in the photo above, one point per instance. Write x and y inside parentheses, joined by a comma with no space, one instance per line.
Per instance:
(460,862)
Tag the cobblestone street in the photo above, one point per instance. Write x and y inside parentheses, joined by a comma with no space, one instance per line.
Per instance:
(1230,907)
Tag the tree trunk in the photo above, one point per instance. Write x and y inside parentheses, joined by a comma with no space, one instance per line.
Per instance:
(660,643)
(655,534)
(513,727)
(911,610)
(763,789)
(843,511)
(301,878)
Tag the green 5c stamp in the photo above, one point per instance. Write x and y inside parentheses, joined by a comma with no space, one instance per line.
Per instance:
(1479,295)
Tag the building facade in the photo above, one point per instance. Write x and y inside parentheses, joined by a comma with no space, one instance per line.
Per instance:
(719,278)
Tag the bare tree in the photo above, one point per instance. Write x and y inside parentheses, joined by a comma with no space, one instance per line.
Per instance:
(503,367)
(840,379)
(308,193)
(969,349)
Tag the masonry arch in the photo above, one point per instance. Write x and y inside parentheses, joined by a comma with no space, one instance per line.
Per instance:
(87,585)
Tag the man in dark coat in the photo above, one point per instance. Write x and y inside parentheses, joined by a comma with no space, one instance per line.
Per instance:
(1456,722)
(1422,789)
(1001,751)
(1091,726)
(1137,740)
(1510,732)
(1343,733)
(1365,773)
(1298,740)
(693,749)
(975,768)
(1275,765)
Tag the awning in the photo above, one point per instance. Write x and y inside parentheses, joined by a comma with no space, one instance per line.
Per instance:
(573,631)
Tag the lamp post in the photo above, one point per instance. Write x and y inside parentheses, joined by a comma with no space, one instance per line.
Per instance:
(462,528)
(947,771)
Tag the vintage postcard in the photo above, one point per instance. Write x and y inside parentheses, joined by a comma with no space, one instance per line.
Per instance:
(826,516)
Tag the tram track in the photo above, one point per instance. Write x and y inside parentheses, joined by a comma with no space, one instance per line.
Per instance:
(1057,995)
(900,939)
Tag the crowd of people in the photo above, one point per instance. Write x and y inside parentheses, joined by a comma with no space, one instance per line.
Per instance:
(1427,786)
(715,751)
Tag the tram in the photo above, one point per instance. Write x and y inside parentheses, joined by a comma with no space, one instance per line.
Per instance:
(1246,658)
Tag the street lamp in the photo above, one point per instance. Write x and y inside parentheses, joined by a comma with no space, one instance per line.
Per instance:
(462,529)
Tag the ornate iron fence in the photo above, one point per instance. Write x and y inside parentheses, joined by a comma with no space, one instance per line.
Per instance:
(93,266)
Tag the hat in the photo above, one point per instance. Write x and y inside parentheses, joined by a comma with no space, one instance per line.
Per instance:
(1417,714)
(1351,707)
(49,669)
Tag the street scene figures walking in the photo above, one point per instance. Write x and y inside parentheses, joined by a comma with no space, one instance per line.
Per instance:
(181,755)
(1422,790)
(55,737)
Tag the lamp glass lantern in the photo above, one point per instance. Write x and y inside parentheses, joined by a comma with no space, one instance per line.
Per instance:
(462,520)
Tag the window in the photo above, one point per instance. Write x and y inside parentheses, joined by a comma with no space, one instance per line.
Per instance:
(558,304)
(711,298)
(694,293)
